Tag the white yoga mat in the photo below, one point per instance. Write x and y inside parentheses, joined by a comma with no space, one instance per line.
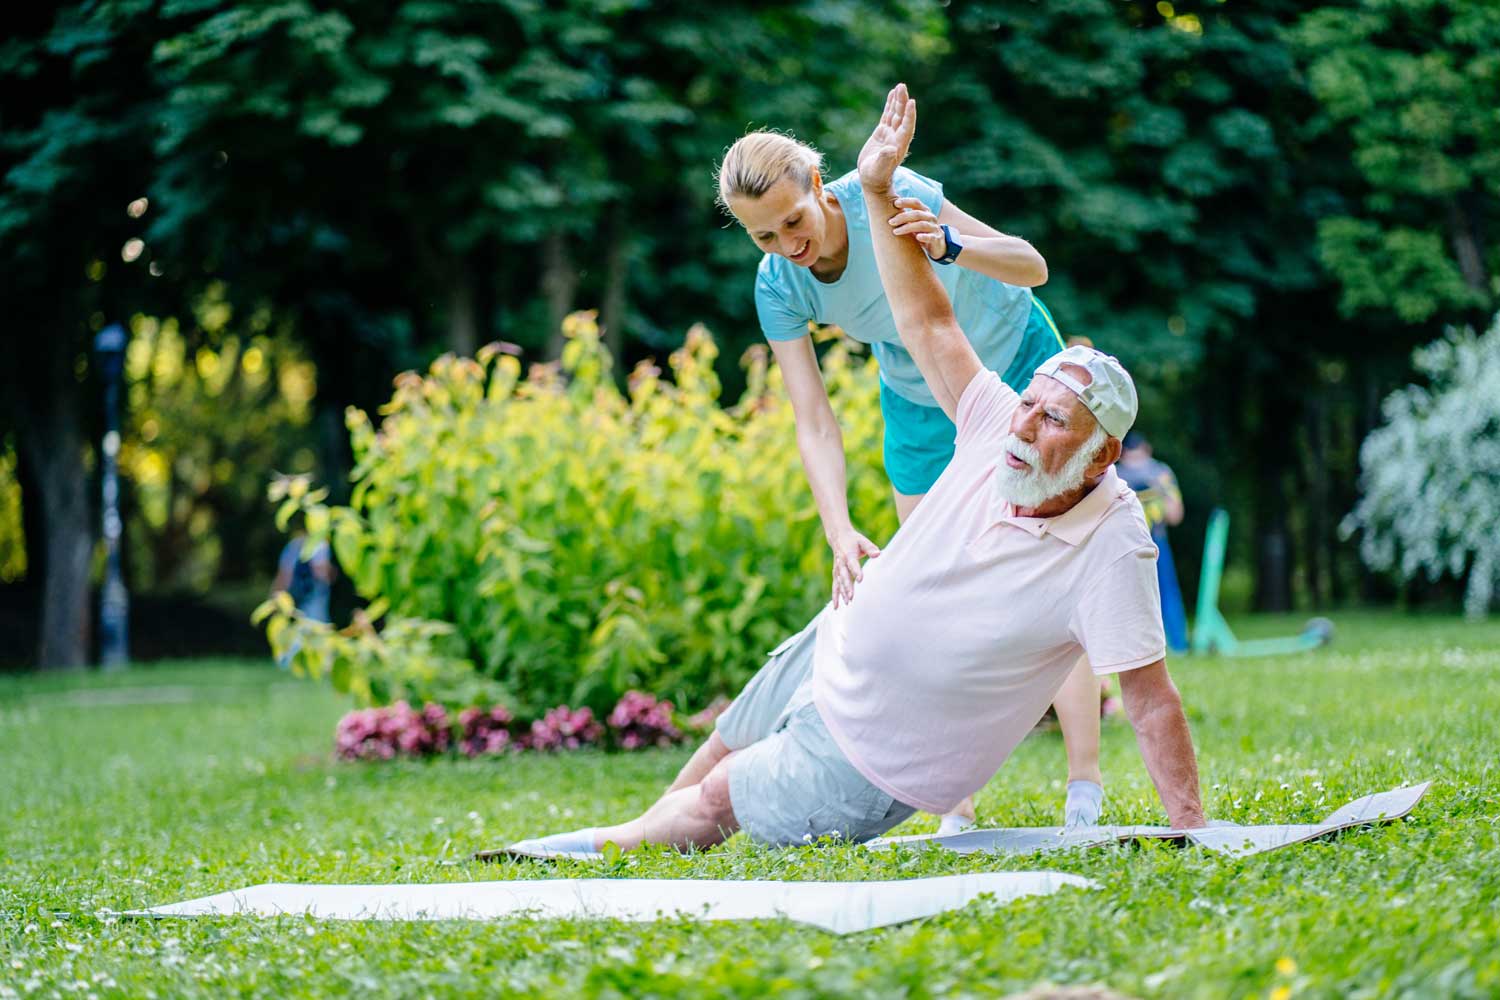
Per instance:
(1226,838)
(840,907)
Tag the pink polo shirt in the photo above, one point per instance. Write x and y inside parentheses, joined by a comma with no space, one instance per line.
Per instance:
(963,630)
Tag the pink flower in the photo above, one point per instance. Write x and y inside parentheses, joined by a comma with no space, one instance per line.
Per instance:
(640,720)
(563,728)
(484,730)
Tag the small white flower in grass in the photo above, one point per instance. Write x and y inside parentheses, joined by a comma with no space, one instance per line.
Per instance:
(309,930)
(1285,786)
(474,816)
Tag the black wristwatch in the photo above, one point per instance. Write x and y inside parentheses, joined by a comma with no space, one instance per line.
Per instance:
(954,247)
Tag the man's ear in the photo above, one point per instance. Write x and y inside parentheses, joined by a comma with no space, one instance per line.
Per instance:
(817,183)
(1109,454)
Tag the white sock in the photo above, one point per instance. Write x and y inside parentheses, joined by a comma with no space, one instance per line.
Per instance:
(953,823)
(1085,800)
(573,842)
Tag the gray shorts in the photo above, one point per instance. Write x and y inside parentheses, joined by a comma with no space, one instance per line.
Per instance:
(789,783)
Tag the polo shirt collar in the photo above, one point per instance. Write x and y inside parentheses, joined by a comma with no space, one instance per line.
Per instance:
(1078,522)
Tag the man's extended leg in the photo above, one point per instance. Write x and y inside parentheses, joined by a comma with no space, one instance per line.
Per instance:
(698,815)
(1077,705)
(695,809)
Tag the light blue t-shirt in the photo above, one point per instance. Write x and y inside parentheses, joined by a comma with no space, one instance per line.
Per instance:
(991,313)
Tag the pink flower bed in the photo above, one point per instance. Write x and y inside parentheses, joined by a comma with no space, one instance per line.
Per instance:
(638,720)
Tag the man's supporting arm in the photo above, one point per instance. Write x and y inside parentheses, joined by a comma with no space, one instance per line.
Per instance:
(924,316)
(1161,730)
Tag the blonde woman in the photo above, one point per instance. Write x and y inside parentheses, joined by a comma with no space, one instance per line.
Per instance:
(819,266)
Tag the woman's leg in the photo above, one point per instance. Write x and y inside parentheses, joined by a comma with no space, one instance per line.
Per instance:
(905,504)
(1077,706)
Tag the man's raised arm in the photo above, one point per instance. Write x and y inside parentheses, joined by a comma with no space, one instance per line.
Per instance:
(919,303)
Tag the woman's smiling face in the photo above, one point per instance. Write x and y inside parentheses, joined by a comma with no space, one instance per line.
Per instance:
(786,220)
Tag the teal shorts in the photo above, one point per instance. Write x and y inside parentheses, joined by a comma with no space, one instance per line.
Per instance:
(919,439)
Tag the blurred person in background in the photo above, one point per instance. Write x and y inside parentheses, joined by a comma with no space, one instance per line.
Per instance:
(1155,486)
(819,267)
(307,577)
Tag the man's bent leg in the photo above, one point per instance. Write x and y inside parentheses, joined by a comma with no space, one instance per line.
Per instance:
(703,760)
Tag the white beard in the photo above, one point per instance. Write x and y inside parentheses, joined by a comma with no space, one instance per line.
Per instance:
(1028,488)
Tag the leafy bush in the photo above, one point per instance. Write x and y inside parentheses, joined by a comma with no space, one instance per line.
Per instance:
(564,542)
(1431,474)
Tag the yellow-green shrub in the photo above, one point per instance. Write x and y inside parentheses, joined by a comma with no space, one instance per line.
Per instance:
(581,541)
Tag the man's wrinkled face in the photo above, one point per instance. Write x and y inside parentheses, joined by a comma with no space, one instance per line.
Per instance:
(1053,441)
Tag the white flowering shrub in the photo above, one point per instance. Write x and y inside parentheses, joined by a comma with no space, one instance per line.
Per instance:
(1431,474)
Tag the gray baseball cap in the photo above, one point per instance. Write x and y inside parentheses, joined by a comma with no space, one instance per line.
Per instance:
(1110,396)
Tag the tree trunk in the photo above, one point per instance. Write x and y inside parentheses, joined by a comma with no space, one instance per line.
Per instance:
(559,284)
(1273,441)
(616,273)
(463,318)
(53,440)
(1467,246)
(336,458)
(1315,496)
(1273,591)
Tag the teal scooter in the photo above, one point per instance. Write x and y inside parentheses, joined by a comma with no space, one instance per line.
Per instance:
(1212,634)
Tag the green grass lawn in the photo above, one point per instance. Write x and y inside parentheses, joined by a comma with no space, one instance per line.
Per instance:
(186,779)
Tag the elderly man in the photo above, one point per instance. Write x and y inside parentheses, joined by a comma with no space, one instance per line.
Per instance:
(1027,553)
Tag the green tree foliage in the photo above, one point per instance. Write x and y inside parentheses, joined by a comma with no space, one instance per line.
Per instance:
(75,151)
(1412,89)
(212,410)
(1431,477)
(1254,203)
(582,541)
(1150,151)
(477,163)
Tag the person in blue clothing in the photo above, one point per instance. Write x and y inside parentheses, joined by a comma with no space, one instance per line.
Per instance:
(819,267)
(1155,485)
(308,577)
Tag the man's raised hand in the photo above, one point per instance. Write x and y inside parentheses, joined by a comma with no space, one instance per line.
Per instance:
(889,143)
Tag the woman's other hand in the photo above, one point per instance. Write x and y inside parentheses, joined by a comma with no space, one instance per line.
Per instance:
(849,548)
(913,218)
